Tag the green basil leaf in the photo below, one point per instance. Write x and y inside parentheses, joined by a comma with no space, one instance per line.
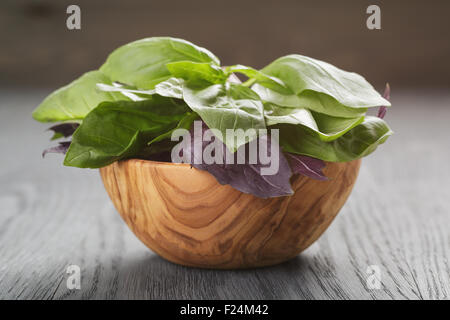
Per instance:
(185,123)
(312,100)
(163,143)
(163,146)
(356,143)
(127,91)
(259,77)
(275,115)
(301,73)
(331,128)
(171,88)
(326,127)
(227,106)
(119,130)
(143,63)
(76,100)
(199,73)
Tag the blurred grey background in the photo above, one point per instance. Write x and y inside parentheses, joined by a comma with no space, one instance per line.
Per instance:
(411,50)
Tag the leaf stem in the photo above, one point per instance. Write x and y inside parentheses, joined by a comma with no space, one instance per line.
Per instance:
(249,82)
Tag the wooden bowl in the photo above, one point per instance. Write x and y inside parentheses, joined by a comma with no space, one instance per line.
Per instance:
(187,217)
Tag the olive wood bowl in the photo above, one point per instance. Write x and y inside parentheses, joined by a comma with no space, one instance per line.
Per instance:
(187,217)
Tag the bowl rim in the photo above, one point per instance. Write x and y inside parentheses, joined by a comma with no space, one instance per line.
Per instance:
(157,163)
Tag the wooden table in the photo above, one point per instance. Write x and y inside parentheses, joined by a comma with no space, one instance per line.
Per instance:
(397,219)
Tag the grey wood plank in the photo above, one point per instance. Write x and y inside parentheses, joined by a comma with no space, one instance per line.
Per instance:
(397,218)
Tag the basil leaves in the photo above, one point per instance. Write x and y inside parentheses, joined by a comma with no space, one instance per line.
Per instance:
(143,63)
(354,144)
(76,100)
(300,73)
(119,130)
(147,89)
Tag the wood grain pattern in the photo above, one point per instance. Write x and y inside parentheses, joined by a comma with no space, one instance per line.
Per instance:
(397,218)
(187,217)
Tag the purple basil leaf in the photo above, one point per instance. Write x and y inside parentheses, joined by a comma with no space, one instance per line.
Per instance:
(64,129)
(387,95)
(307,166)
(60,148)
(247,177)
